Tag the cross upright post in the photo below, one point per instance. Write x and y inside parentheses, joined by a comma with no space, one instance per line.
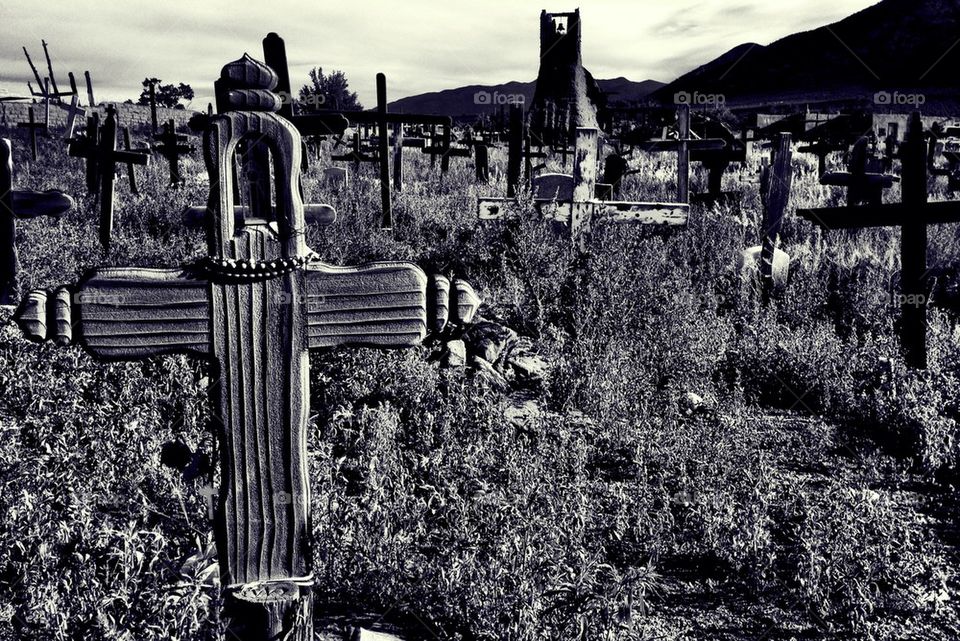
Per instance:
(253,308)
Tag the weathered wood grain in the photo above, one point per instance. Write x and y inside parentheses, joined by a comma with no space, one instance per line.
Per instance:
(253,308)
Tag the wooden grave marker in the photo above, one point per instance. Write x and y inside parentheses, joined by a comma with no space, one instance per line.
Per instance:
(912,215)
(73,110)
(90,101)
(863,186)
(519,154)
(683,145)
(777,177)
(253,308)
(172,146)
(584,209)
(18,205)
(131,175)
(32,126)
(106,157)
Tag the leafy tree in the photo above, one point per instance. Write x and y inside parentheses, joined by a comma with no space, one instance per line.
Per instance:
(167,95)
(328,91)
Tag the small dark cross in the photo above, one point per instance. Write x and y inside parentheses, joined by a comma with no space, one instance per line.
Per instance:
(107,156)
(863,186)
(683,145)
(716,162)
(17,205)
(912,215)
(821,149)
(253,308)
(442,146)
(85,146)
(171,146)
(33,127)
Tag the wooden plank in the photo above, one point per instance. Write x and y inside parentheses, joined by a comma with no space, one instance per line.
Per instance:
(641,213)
(683,155)
(585,179)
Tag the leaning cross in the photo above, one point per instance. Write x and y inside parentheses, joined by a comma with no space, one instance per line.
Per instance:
(18,205)
(107,156)
(254,307)
(584,209)
(912,215)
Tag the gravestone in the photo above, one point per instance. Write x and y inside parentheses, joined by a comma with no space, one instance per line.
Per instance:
(863,185)
(33,127)
(335,178)
(72,112)
(18,205)
(555,186)
(253,308)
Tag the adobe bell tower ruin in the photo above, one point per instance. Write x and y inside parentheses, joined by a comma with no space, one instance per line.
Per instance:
(566,95)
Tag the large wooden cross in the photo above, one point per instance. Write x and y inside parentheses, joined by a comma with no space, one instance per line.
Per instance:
(106,157)
(584,209)
(912,215)
(253,308)
(17,205)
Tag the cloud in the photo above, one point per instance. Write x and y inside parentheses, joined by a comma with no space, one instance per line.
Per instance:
(421,46)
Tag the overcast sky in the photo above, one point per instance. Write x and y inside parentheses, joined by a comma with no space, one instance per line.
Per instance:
(421,46)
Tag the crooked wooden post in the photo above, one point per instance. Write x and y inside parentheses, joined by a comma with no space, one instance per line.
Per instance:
(383,151)
(776,198)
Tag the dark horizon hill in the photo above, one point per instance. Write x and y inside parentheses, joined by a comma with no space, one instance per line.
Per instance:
(465,102)
(905,46)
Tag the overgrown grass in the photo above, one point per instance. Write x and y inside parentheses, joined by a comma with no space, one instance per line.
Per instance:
(623,504)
